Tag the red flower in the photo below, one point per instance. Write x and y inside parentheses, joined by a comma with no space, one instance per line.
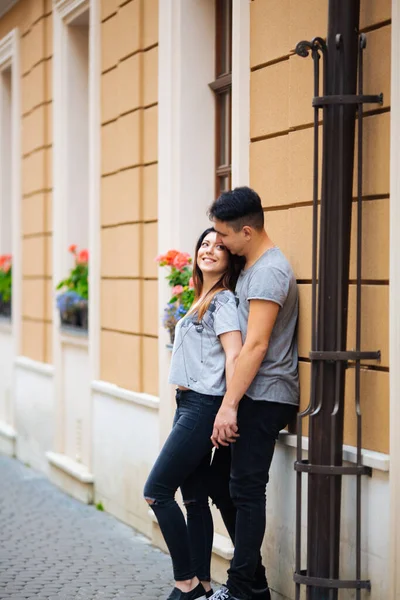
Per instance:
(83,257)
(168,258)
(72,248)
(5,262)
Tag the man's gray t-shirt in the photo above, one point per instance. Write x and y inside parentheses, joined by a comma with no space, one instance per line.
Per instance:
(198,358)
(271,278)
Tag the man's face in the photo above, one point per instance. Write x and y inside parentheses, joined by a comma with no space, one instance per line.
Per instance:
(234,241)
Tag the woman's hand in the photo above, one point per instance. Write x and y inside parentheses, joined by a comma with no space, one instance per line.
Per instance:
(225,429)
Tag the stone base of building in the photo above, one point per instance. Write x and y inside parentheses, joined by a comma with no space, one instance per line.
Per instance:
(70,476)
(8,437)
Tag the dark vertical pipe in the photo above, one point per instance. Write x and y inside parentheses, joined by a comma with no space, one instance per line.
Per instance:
(326,423)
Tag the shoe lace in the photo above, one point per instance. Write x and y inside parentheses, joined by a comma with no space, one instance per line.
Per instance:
(222,594)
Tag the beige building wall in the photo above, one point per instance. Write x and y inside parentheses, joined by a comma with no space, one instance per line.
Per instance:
(281,149)
(129,110)
(33,19)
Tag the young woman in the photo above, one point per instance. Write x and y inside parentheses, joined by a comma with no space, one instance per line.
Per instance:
(207,343)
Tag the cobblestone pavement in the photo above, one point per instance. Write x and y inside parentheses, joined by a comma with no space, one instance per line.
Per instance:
(53,547)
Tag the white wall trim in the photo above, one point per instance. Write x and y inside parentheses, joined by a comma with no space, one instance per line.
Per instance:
(6,326)
(77,340)
(114,391)
(375,460)
(70,466)
(65,11)
(10,57)
(394,316)
(7,431)
(40,368)
(222,545)
(70,9)
(94,187)
(7,49)
(241,93)
(186,144)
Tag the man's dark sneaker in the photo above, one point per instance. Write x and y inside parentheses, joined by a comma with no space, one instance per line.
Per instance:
(261,594)
(198,593)
(209,593)
(223,594)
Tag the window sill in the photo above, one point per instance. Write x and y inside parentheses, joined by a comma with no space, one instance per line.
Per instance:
(5,324)
(74,336)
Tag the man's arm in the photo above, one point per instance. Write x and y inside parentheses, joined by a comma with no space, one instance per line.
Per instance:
(262,317)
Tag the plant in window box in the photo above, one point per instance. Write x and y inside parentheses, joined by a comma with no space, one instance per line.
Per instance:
(5,285)
(73,301)
(180,280)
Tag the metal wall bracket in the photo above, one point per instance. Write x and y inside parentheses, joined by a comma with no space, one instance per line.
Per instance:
(304,466)
(335,355)
(338,99)
(335,584)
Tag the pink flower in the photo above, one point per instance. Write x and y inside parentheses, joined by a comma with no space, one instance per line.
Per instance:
(191,283)
(72,248)
(177,290)
(181,260)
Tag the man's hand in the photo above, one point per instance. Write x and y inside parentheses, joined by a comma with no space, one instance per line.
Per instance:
(225,429)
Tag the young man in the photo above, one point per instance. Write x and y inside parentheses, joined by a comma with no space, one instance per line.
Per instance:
(263,394)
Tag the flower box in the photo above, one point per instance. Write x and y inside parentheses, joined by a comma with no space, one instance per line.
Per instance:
(73,311)
(5,308)
(73,303)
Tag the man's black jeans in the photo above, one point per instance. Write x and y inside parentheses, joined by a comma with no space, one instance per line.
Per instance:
(184,462)
(259,424)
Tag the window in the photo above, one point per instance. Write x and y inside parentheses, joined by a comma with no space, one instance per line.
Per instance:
(222,87)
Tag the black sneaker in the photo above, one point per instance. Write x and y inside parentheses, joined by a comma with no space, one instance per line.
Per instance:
(198,593)
(209,593)
(223,594)
(261,594)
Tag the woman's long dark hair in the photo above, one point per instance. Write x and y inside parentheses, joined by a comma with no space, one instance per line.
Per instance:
(227,281)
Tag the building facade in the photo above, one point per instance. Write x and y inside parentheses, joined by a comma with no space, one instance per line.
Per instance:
(121,120)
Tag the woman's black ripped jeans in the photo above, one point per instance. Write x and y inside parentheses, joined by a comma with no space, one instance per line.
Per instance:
(184,462)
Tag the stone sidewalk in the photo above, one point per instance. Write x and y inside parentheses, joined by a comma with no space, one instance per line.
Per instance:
(53,547)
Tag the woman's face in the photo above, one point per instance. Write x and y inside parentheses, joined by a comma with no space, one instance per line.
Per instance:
(213,256)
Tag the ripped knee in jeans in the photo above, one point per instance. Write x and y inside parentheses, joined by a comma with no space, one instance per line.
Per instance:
(150,501)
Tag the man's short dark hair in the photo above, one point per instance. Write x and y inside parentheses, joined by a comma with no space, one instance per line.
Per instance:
(238,207)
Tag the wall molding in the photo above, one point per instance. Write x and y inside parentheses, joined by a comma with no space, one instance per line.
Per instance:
(40,368)
(10,58)
(70,9)
(114,391)
(64,13)
(241,93)
(370,458)
(7,431)
(7,49)
(70,466)
(186,66)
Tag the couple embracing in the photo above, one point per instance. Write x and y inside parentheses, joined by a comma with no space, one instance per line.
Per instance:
(234,363)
